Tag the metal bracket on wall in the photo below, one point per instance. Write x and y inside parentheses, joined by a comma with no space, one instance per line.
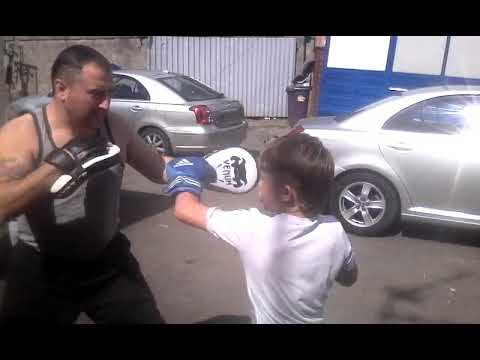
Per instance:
(18,71)
(143,38)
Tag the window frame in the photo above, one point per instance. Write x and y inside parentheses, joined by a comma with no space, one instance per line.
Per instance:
(195,82)
(120,77)
(421,105)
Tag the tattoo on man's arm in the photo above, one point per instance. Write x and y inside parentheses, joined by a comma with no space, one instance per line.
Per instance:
(12,169)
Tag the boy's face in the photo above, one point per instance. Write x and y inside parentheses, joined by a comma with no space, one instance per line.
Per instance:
(267,193)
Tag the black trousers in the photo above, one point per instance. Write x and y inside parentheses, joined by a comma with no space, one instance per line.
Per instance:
(109,289)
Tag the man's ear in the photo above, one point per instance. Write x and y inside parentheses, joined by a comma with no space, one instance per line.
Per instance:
(61,89)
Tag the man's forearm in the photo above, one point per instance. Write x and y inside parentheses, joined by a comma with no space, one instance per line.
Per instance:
(17,195)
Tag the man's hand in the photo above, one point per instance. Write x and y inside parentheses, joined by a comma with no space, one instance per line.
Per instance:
(187,174)
(78,159)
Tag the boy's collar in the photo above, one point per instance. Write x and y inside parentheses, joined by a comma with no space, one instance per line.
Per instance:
(299,219)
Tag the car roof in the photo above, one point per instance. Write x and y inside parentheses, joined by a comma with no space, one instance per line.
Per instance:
(373,115)
(423,93)
(146,73)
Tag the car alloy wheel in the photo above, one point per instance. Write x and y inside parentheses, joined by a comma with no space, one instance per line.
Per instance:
(366,204)
(362,204)
(155,141)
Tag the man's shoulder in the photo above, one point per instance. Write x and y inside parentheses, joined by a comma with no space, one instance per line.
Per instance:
(18,148)
(23,122)
(20,133)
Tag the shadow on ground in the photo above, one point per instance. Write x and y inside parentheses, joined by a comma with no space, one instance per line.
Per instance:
(414,297)
(136,206)
(442,234)
(438,233)
(227,319)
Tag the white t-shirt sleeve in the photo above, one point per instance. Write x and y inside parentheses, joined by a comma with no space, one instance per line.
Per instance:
(235,227)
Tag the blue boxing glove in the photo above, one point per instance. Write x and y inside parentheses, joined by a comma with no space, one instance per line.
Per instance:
(186,174)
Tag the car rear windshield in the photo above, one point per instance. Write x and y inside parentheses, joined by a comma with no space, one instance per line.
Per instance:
(190,89)
(342,117)
(346,116)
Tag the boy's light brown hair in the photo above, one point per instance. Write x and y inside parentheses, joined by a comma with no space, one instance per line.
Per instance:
(302,162)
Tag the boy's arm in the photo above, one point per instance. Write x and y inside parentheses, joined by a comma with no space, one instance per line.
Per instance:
(234,227)
(186,176)
(190,210)
(347,276)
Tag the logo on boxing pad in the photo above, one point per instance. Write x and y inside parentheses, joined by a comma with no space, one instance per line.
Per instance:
(239,177)
(235,168)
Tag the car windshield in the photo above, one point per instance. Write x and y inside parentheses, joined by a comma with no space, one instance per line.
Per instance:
(190,89)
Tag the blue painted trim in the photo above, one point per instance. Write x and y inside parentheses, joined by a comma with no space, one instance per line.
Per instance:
(321,83)
(391,54)
(445,56)
(345,90)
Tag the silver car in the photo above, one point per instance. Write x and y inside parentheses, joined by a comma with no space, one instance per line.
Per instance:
(172,112)
(412,156)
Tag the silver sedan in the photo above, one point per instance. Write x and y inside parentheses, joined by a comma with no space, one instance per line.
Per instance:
(412,156)
(172,112)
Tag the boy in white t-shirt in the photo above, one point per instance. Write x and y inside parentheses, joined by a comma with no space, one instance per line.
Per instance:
(290,259)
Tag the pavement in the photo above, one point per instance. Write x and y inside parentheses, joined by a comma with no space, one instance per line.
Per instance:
(260,132)
(422,274)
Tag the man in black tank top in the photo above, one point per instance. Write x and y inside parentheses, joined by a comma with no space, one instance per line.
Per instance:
(70,256)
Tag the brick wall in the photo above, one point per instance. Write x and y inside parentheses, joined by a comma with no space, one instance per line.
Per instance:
(40,51)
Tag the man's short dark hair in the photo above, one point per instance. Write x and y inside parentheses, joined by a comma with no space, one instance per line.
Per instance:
(302,161)
(72,59)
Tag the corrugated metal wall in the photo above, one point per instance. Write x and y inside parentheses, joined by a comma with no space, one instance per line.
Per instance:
(254,70)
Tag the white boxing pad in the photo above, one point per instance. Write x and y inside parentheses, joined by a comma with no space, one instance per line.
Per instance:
(236,170)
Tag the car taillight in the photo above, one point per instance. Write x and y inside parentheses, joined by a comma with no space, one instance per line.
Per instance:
(202,113)
(296,130)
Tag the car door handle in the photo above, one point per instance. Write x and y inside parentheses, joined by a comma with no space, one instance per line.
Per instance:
(136,108)
(399,147)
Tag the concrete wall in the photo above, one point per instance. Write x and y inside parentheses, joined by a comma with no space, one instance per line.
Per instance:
(3,88)
(40,51)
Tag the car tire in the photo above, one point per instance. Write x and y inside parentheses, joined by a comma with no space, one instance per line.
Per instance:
(374,208)
(157,139)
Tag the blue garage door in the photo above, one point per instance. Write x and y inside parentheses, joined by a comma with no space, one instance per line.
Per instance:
(364,69)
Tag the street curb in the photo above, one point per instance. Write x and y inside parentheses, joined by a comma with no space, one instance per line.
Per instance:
(277,123)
